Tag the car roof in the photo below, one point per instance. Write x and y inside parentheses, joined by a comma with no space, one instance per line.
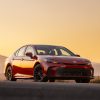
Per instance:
(41,45)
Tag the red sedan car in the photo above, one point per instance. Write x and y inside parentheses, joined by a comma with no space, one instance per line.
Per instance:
(47,62)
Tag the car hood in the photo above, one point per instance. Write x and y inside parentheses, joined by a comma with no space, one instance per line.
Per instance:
(66,59)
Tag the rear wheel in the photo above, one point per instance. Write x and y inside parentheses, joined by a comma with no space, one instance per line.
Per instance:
(9,74)
(82,80)
(39,75)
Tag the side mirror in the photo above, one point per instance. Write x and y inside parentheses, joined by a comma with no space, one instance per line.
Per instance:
(29,54)
(77,55)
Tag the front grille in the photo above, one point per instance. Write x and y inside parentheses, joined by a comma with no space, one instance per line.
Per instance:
(74,64)
(73,72)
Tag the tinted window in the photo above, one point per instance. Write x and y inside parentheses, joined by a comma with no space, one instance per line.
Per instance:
(16,53)
(53,50)
(64,53)
(21,51)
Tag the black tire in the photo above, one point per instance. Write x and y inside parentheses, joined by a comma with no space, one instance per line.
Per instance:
(9,74)
(39,75)
(82,80)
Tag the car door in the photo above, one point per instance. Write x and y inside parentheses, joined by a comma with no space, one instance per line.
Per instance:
(17,59)
(27,63)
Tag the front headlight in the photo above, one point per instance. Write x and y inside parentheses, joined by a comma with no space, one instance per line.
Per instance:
(50,61)
(88,63)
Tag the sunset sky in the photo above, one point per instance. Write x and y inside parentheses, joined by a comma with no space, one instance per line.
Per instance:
(74,24)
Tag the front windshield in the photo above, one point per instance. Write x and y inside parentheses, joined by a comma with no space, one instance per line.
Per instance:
(53,50)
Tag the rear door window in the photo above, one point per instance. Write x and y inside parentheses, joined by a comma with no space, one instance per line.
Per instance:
(21,52)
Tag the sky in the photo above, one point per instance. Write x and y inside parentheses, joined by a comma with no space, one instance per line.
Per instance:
(74,24)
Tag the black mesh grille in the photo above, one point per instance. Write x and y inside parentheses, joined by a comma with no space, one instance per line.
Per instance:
(73,71)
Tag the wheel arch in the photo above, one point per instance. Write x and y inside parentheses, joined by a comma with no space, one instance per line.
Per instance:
(9,64)
(45,79)
(37,64)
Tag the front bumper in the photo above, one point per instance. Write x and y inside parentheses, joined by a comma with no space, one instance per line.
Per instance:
(70,73)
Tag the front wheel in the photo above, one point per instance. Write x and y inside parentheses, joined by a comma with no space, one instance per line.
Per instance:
(39,75)
(82,80)
(9,74)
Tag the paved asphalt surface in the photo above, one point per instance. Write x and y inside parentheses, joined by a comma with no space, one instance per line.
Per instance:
(30,90)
